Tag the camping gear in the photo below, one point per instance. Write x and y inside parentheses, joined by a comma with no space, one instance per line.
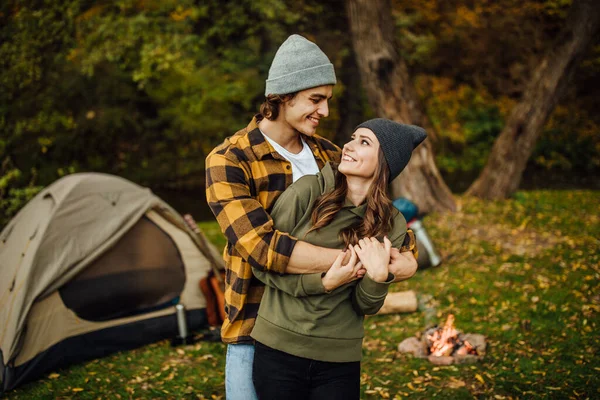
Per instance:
(183,334)
(408,209)
(213,285)
(181,321)
(428,255)
(92,265)
(399,302)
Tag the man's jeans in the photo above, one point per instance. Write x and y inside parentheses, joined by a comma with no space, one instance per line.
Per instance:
(238,372)
(278,375)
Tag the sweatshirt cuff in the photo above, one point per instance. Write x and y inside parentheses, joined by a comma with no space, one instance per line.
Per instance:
(375,288)
(313,284)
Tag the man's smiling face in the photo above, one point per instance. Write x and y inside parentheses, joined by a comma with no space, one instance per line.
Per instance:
(304,112)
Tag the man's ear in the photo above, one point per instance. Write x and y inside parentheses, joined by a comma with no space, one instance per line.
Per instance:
(289,99)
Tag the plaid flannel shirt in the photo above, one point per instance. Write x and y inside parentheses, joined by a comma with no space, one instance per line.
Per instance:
(244,177)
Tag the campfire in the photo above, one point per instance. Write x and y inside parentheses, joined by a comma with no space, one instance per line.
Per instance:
(445,341)
(445,345)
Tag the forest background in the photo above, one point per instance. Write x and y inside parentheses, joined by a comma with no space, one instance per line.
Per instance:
(144,89)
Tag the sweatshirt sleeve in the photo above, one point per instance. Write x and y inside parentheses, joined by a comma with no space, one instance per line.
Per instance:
(295,285)
(293,206)
(398,234)
(368,296)
(243,220)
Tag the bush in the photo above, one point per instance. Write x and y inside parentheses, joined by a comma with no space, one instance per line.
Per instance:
(14,201)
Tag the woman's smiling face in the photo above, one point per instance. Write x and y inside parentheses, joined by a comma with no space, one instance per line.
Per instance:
(360,155)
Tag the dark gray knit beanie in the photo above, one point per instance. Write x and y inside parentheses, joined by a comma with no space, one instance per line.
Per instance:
(396,140)
(299,64)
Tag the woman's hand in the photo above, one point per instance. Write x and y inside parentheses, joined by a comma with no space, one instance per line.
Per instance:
(402,265)
(375,257)
(339,274)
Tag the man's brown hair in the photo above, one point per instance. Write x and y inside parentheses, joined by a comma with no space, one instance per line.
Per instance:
(269,109)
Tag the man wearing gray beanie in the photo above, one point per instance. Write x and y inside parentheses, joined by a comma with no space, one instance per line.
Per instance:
(247,173)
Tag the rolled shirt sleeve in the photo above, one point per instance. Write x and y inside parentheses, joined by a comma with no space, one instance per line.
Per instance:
(243,219)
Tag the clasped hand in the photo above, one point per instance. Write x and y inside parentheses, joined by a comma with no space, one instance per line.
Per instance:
(375,257)
(339,274)
(368,256)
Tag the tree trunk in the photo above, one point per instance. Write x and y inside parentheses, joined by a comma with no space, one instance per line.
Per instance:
(350,103)
(502,174)
(389,90)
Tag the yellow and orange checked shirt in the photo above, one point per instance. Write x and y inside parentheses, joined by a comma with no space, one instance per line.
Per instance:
(244,177)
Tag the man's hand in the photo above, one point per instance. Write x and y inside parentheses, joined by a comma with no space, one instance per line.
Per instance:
(375,257)
(402,265)
(339,274)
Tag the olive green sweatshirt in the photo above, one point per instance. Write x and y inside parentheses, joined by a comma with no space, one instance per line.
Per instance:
(296,314)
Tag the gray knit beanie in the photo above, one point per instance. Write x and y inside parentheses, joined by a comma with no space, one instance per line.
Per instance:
(396,140)
(299,64)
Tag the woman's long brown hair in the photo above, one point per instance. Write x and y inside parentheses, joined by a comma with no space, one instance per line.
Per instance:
(378,219)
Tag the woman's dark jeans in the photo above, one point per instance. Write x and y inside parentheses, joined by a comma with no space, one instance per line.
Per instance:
(278,375)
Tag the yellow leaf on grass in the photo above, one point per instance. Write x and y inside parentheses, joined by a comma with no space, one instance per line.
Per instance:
(479,378)
(454,383)
(78,390)
(53,376)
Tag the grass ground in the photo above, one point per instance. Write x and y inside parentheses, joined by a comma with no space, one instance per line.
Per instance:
(524,272)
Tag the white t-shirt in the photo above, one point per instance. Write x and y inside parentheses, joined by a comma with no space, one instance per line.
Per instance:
(303,163)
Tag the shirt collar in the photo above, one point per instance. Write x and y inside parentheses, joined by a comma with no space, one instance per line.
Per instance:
(358,210)
(261,147)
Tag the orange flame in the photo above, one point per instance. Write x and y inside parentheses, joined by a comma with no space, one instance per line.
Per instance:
(445,341)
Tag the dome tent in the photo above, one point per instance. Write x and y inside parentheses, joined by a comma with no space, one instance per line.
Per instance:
(93,264)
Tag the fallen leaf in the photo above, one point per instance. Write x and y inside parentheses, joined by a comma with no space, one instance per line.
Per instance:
(454,383)
(479,378)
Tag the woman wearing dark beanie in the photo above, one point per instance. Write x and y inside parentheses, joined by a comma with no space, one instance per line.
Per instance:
(309,328)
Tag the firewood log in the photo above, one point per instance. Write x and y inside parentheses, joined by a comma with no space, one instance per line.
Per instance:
(399,302)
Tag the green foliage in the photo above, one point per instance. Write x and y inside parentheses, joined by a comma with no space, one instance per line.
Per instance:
(145,89)
(14,201)
(139,89)
(12,195)
(570,142)
(472,60)
(467,121)
(33,116)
